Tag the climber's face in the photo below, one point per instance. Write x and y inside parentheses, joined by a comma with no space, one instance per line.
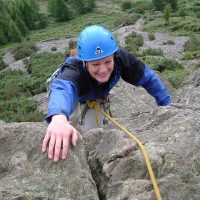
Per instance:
(101,69)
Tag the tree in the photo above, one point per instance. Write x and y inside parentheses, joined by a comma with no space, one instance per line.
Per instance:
(16,16)
(158,4)
(167,13)
(51,6)
(60,10)
(9,30)
(173,3)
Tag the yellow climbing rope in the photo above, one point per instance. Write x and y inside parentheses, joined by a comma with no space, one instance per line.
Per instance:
(95,105)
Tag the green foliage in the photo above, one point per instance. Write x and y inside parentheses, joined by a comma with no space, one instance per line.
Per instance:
(190,55)
(12,84)
(17,18)
(64,10)
(197,65)
(24,50)
(193,44)
(15,87)
(40,67)
(177,26)
(151,36)
(20,109)
(182,12)
(126,5)
(167,13)
(158,4)
(9,30)
(173,71)
(61,11)
(30,13)
(83,6)
(176,77)
(167,64)
(161,4)
(141,6)
(198,14)
(43,21)
(126,19)
(152,52)
(2,64)
(173,4)
(133,42)
(168,42)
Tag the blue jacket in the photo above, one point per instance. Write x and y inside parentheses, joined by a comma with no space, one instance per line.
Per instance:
(74,83)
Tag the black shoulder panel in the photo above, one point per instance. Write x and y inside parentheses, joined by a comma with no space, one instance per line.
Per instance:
(132,69)
(76,73)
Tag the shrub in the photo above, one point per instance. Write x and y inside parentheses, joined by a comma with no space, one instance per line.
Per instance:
(182,12)
(198,14)
(151,61)
(126,5)
(167,64)
(133,42)
(24,50)
(167,13)
(41,67)
(20,109)
(193,26)
(176,77)
(126,20)
(197,65)
(152,52)
(193,44)
(190,55)
(158,4)
(2,64)
(10,84)
(53,49)
(151,36)
(60,10)
(141,6)
(168,42)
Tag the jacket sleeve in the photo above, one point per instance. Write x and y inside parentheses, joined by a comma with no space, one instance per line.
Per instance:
(63,98)
(153,85)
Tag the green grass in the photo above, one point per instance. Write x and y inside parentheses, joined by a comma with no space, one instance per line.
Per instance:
(72,27)
(176,26)
(176,77)
(43,5)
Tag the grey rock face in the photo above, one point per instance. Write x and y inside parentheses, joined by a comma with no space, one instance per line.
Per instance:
(189,93)
(116,169)
(26,173)
(171,138)
(169,134)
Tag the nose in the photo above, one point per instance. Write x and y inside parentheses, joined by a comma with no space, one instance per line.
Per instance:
(103,68)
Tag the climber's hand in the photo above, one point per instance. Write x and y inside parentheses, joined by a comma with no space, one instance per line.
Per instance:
(60,133)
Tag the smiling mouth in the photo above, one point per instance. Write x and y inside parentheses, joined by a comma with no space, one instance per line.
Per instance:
(102,76)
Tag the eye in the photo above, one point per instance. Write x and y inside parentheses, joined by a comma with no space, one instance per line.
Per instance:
(109,61)
(96,64)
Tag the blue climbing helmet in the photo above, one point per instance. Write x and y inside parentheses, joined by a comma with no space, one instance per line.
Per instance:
(95,42)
